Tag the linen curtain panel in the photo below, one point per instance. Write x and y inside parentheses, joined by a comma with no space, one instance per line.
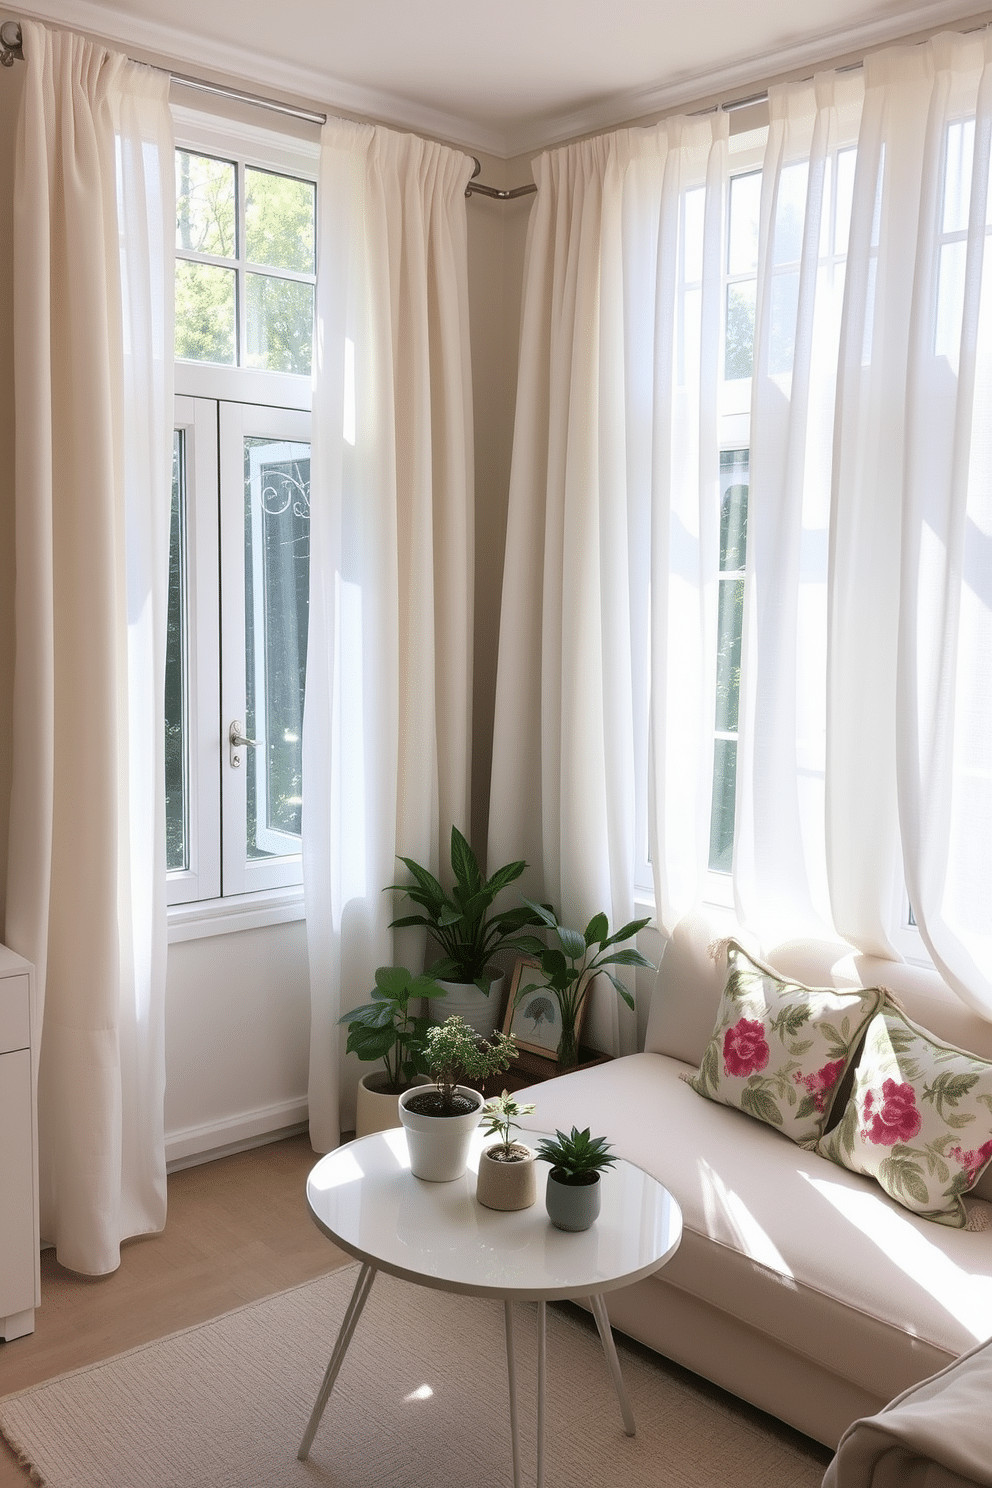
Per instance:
(387,733)
(864,761)
(93,227)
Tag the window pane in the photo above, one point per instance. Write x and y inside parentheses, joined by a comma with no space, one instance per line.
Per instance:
(740,329)
(205,205)
(745,204)
(277,591)
(734,478)
(730,618)
(176,710)
(279,221)
(205,313)
(280,324)
(722,812)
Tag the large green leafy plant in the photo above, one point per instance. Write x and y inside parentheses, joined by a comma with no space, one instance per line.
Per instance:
(463,921)
(387,1028)
(570,962)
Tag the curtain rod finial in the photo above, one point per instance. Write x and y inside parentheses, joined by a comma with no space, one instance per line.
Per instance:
(10,43)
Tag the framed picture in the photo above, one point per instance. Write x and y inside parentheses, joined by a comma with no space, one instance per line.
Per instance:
(535,1019)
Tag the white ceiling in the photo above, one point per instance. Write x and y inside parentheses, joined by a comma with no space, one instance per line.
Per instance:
(505,76)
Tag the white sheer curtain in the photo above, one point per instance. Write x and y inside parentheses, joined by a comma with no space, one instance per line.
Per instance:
(93,228)
(865,754)
(387,733)
(780,858)
(611,552)
(912,535)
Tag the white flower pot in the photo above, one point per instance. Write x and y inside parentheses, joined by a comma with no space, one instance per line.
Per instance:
(507,1185)
(466,1001)
(439,1145)
(573,1206)
(376,1111)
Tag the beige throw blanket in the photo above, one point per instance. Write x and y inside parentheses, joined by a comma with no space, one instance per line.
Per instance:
(938,1434)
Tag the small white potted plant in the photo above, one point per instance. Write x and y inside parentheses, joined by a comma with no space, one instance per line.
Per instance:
(506,1169)
(574,1193)
(439,1119)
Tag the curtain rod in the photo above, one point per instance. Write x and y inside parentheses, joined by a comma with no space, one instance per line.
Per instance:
(11,51)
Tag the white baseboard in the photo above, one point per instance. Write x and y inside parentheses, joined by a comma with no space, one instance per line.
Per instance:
(200,1144)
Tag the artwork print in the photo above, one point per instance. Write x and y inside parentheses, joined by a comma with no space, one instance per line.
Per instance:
(535,1018)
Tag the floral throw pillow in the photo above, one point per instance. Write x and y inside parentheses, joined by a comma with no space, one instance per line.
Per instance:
(780,1050)
(918,1120)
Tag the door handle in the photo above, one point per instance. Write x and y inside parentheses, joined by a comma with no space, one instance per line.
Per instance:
(238,741)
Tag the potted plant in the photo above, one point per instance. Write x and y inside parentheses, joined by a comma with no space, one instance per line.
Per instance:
(506,1169)
(574,1192)
(388,1029)
(440,1118)
(467,929)
(571,962)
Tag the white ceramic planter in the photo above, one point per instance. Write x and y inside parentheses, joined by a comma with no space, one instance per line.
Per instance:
(506,1185)
(464,999)
(572,1206)
(376,1111)
(439,1145)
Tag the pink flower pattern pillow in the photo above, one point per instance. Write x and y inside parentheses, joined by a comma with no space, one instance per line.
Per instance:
(780,1050)
(918,1120)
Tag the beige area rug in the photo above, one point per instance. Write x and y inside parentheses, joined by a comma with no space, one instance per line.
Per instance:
(421,1401)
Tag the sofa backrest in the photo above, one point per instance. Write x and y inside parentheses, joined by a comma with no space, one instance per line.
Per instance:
(688,985)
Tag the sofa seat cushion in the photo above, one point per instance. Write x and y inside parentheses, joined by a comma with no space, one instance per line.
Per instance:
(802,1250)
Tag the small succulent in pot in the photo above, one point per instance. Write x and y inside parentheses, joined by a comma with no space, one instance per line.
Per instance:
(573,1195)
(499,1120)
(455,1053)
(577,1158)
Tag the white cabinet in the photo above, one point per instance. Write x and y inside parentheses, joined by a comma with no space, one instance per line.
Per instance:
(20,1279)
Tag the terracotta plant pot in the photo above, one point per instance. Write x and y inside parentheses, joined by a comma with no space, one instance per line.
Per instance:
(573,1206)
(507,1185)
(439,1145)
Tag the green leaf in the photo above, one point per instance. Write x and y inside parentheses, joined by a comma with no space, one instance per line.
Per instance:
(760,1104)
(464,864)
(621,989)
(572,943)
(503,877)
(597,930)
(424,880)
(628,931)
(629,957)
(544,912)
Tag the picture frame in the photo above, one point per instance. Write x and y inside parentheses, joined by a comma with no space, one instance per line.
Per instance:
(535,1022)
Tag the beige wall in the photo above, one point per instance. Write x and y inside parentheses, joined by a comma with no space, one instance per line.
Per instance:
(11,82)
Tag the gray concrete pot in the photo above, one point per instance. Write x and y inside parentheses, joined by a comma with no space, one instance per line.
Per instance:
(573,1206)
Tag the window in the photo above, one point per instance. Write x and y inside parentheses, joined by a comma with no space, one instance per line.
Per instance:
(239,558)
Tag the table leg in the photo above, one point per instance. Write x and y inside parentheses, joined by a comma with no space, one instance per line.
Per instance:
(610,1349)
(542,1336)
(511,1375)
(358,1299)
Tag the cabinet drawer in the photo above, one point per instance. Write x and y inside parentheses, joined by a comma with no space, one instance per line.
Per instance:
(15,1016)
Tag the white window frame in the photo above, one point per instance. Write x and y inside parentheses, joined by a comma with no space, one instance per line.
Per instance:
(211,896)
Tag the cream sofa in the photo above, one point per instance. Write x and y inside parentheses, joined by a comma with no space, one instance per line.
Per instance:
(798,1286)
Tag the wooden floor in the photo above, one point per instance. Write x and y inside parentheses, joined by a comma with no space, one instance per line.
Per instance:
(238,1229)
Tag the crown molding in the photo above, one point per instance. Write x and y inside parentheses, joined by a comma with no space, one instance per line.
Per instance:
(238,65)
(745,76)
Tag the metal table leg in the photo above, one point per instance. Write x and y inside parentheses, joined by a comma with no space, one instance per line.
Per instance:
(542,1337)
(354,1311)
(511,1375)
(610,1349)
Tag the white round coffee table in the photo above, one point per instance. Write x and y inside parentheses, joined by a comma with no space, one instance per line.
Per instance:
(364,1198)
